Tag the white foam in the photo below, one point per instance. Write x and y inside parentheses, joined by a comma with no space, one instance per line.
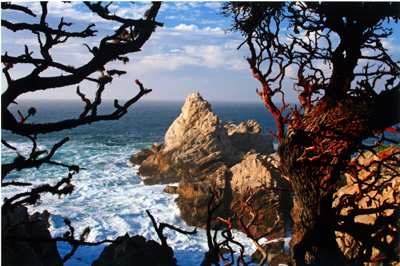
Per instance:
(110,198)
(121,210)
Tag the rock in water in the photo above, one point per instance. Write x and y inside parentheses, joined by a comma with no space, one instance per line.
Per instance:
(200,151)
(198,139)
(127,251)
(248,136)
(196,126)
(170,189)
(19,224)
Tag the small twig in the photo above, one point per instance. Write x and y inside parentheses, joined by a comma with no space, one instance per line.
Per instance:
(87,102)
(5,143)
(15,183)
(276,188)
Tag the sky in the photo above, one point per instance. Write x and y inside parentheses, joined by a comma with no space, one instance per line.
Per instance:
(192,52)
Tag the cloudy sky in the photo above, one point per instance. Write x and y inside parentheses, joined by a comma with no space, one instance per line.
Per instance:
(192,52)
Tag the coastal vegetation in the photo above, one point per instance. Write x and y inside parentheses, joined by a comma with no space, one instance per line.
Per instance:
(334,177)
(20,233)
(348,91)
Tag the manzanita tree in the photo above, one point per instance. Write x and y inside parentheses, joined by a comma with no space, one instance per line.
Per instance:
(44,72)
(348,91)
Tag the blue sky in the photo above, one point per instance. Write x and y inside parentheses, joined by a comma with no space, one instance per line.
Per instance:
(192,52)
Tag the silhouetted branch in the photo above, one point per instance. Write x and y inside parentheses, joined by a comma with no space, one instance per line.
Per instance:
(215,251)
(212,255)
(250,223)
(23,163)
(106,52)
(88,32)
(63,187)
(5,143)
(15,183)
(68,237)
(160,228)
(27,129)
(276,188)
(129,37)
(6,5)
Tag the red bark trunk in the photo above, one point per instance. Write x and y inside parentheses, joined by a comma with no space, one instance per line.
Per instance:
(315,152)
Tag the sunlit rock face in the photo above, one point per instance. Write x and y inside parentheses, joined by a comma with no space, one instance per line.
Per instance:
(202,152)
(379,201)
(196,140)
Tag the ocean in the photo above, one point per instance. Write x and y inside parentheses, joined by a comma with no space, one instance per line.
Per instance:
(109,197)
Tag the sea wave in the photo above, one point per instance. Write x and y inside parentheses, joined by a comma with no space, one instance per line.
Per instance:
(109,197)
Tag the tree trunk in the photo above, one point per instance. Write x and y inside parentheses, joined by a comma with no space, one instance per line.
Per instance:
(315,152)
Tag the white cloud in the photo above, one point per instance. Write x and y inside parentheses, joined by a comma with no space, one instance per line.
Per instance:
(391,45)
(218,22)
(180,18)
(217,29)
(232,44)
(166,62)
(207,56)
(216,6)
(183,6)
(135,11)
(212,56)
(71,10)
(185,27)
(195,28)
(173,49)
(80,12)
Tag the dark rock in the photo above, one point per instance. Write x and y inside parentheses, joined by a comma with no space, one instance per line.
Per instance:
(142,155)
(194,195)
(139,157)
(18,224)
(127,251)
(171,189)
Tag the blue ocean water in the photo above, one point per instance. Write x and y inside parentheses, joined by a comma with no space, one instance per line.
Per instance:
(109,196)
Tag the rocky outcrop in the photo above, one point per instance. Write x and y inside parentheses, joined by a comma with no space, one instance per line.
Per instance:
(383,198)
(24,251)
(171,189)
(196,140)
(127,251)
(271,206)
(365,212)
(276,253)
(202,152)
(248,136)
